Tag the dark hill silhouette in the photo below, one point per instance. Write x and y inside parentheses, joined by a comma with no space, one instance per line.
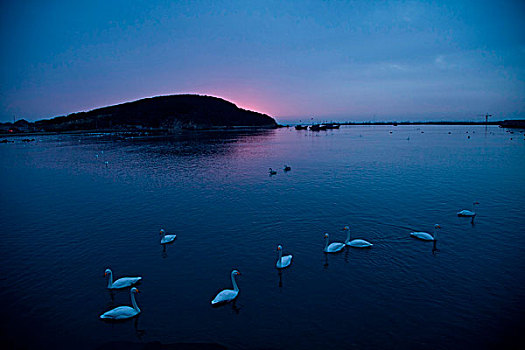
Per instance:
(162,113)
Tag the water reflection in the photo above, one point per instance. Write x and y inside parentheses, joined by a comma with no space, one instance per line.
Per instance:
(435,250)
(138,332)
(236,309)
(205,143)
(472,219)
(112,295)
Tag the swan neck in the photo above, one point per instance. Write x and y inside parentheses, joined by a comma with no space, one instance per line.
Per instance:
(110,280)
(326,245)
(280,254)
(435,234)
(235,288)
(347,236)
(134,303)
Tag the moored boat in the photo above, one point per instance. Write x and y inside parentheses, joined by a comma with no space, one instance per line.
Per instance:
(317,127)
(332,126)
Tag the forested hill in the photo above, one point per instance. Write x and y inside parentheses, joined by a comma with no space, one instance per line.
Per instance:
(163,112)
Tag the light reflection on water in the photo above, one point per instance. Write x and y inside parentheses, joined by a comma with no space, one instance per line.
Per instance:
(66,217)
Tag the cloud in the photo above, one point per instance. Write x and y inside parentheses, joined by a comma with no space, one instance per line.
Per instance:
(443,63)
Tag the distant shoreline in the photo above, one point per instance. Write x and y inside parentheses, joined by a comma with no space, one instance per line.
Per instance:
(133,132)
(519,123)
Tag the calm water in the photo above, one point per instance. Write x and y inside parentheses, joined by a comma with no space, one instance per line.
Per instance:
(65,217)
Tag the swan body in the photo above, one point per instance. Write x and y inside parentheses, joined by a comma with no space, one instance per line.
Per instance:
(426,236)
(164,238)
(283,261)
(468,213)
(272,172)
(356,243)
(227,295)
(287,168)
(359,243)
(422,235)
(121,282)
(332,247)
(123,312)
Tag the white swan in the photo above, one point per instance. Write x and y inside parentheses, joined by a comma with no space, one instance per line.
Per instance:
(121,282)
(426,236)
(356,243)
(283,261)
(123,312)
(468,213)
(227,295)
(333,247)
(164,238)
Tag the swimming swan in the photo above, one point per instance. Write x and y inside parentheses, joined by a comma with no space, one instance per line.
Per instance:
(123,312)
(356,243)
(121,282)
(283,261)
(333,247)
(227,295)
(164,238)
(468,213)
(426,236)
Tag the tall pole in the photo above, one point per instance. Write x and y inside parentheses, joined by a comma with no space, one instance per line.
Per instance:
(487,122)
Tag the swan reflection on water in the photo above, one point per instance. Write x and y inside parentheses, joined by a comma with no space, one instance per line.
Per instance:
(112,295)
(138,332)
(236,309)
(346,257)
(116,325)
(435,250)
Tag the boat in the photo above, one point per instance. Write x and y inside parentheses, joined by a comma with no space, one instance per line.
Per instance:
(332,126)
(317,127)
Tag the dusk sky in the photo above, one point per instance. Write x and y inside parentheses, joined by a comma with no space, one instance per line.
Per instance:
(353,60)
